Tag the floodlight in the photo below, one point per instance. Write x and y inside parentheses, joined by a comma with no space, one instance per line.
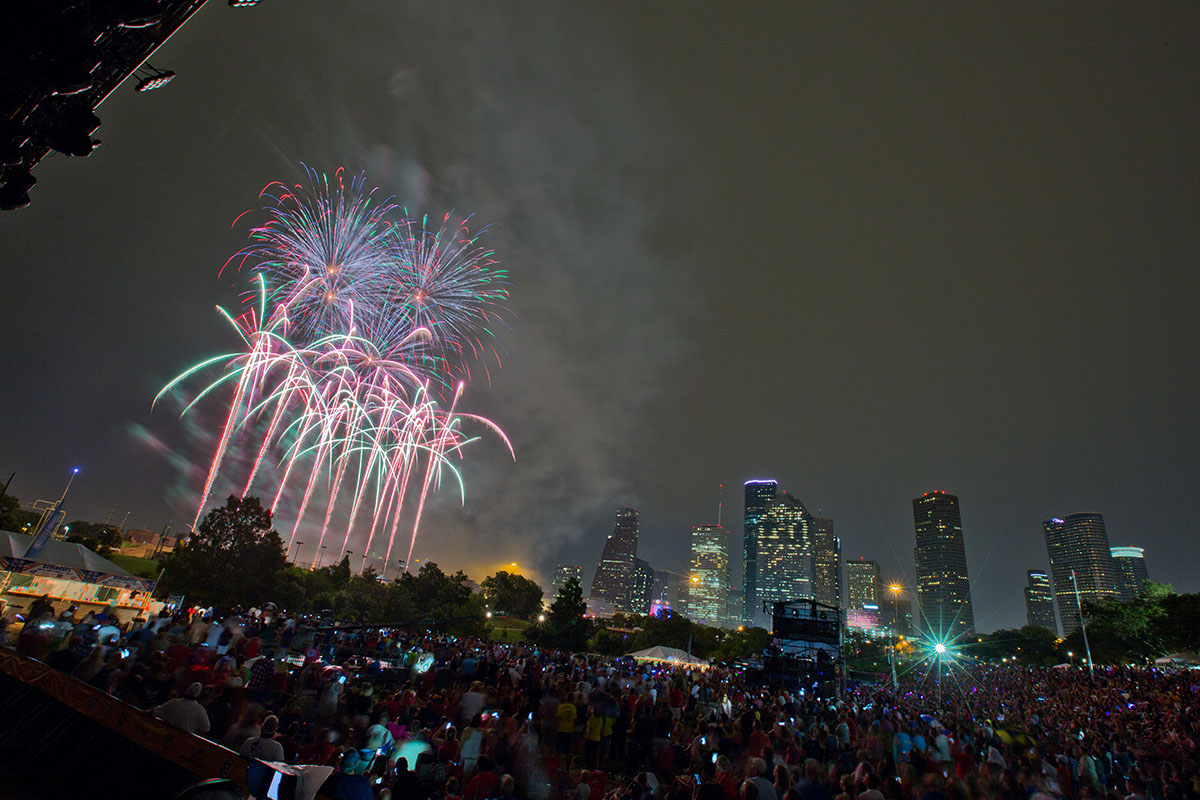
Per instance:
(152,82)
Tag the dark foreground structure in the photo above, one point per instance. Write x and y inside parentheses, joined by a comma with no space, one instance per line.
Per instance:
(64,739)
(59,60)
(807,651)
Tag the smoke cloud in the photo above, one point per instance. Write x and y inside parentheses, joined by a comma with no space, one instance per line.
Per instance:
(468,115)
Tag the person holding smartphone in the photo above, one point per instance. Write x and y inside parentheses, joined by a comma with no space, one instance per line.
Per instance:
(706,785)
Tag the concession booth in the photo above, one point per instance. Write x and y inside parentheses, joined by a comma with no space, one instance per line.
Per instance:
(70,574)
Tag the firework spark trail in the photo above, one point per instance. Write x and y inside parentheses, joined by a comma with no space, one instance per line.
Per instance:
(359,319)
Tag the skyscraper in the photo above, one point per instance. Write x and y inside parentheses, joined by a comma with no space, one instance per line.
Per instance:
(864,585)
(828,556)
(759,494)
(1131,570)
(1079,542)
(613,581)
(1039,601)
(895,612)
(943,588)
(641,587)
(708,588)
(786,564)
(735,608)
(660,595)
(562,574)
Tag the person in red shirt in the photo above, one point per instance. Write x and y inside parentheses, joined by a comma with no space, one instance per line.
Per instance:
(33,641)
(483,785)
(726,777)
(675,700)
(178,654)
(759,741)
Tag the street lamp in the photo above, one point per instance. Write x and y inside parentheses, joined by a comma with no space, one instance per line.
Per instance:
(321,558)
(941,652)
(541,617)
(895,588)
(1083,628)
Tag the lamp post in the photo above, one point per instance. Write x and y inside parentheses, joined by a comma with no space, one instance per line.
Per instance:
(1083,627)
(895,589)
(297,554)
(74,472)
(363,568)
(321,558)
(940,649)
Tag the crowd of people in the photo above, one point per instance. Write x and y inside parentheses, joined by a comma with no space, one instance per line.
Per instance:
(406,714)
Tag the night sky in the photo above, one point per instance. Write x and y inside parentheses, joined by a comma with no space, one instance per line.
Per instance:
(867,251)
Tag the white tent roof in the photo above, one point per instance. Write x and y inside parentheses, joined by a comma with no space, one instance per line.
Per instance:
(60,554)
(1178,658)
(668,655)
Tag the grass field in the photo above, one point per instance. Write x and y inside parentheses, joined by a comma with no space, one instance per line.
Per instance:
(507,629)
(141,567)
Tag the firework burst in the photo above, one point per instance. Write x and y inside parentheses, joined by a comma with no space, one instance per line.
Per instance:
(355,342)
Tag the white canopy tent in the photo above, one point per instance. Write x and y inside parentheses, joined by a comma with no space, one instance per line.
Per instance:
(668,655)
(68,573)
(1189,660)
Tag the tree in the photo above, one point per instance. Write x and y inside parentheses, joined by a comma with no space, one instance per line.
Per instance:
(513,594)
(1129,631)
(109,535)
(13,517)
(565,625)
(1176,630)
(440,602)
(233,558)
(1031,644)
(748,643)
(95,545)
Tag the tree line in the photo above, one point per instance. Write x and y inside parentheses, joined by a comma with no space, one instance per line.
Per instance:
(236,558)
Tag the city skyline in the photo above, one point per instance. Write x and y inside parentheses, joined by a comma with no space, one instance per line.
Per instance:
(640,581)
(865,276)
